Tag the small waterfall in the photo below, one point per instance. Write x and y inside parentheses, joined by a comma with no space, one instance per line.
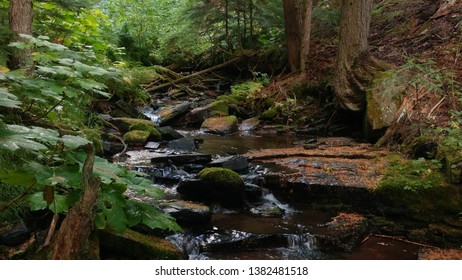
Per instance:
(301,241)
(269,197)
(189,244)
(151,114)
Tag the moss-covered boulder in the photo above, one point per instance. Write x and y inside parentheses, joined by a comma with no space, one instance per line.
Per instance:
(136,246)
(124,124)
(214,184)
(136,138)
(220,125)
(154,134)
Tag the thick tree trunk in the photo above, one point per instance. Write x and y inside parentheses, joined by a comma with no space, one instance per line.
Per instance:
(72,241)
(297,17)
(20,15)
(354,29)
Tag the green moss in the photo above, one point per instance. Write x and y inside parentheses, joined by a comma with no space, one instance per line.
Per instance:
(241,91)
(154,134)
(270,114)
(136,137)
(220,176)
(134,245)
(220,107)
(124,124)
(418,189)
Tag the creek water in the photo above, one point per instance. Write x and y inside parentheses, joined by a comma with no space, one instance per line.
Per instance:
(246,234)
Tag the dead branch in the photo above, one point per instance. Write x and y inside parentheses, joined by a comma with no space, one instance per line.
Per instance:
(196,74)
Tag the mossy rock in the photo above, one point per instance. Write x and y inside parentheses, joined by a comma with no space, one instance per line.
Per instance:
(154,134)
(221,176)
(136,246)
(136,137)
(215,184)
(124,124)
(220,125)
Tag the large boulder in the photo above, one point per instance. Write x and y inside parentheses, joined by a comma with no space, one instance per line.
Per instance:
(214,184)
(220,125)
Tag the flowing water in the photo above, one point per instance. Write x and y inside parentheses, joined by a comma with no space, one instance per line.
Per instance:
(253,234)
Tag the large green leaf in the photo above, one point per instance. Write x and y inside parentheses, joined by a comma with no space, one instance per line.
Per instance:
(73,142)
(8,100)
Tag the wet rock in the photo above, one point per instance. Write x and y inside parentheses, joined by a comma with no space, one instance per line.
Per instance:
(267,210)
(112,148)
(14,235)
(214,185)
(249,125)
(187,213)
(183,144)
(168,114)
(345,232)
(129,110)
(220,125)
(198,115)
(235,163)
(168,133)
(136,246)
(124,124)
(136,138)
(253,193)
(152,145)
(189,158)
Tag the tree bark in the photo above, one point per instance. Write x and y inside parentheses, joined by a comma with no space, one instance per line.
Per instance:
(354,29)
(72,241)
(297,18)
(20,16)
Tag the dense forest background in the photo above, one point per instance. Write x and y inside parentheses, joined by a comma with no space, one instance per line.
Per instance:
(297,63)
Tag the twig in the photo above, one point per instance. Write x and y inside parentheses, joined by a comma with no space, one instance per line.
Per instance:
(403,240)
(436,106)
(51,230)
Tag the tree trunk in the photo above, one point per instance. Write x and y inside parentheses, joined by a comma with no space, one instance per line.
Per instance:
(354,29)
(305,33)
(72,241)
(20,16)
(297,18)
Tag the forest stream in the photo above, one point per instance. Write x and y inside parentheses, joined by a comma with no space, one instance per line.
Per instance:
(270,226)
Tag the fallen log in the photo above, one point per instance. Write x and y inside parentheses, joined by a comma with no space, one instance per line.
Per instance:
(196,74)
